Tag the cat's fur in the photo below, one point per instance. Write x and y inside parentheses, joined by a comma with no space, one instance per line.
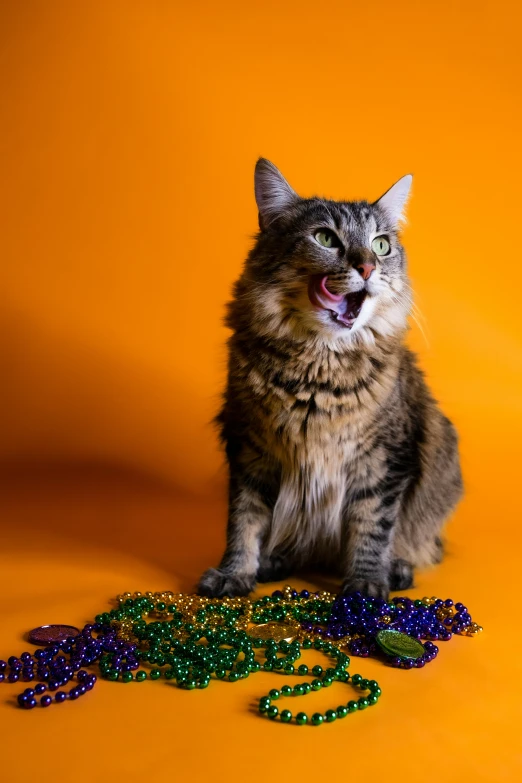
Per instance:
(338,453)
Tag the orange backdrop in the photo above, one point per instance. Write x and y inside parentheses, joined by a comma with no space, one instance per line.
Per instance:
(128,139)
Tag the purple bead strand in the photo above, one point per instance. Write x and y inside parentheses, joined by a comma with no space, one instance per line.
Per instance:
(58,664)
(358,615)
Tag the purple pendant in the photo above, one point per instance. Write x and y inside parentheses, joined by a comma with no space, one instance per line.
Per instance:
(52,634)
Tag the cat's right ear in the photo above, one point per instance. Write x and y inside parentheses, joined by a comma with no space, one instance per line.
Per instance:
(273,193)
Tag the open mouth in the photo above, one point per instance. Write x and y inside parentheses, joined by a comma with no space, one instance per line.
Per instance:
(343,308)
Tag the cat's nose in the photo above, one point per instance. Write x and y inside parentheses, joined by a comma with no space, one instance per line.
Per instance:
(365,269)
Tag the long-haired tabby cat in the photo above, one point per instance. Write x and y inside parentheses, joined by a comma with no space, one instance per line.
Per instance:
(338,453)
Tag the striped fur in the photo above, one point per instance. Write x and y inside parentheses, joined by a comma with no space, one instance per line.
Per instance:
(338,454)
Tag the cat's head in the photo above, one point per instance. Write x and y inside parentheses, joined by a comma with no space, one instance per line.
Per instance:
(334,269)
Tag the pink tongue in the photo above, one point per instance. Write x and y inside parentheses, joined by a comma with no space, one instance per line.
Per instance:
(320,295)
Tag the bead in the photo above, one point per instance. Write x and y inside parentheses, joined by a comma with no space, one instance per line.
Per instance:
(363,703)
(352,706)
(286,716)
(274,694)
(272,712)
(140,675)
(301,718)
(330,716)
(317,671)
(303,670)
(342,711)
(46,700)
(316,685)
(317,719)
(264,704)
(286,690)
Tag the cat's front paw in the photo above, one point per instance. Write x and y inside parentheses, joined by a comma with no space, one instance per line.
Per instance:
(374,588)
(216,584)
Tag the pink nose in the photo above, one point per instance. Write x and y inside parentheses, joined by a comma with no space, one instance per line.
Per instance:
(365,269)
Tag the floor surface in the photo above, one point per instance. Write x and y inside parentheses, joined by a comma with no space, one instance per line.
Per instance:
(75,537)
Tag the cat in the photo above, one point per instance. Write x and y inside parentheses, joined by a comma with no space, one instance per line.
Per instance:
(338,454)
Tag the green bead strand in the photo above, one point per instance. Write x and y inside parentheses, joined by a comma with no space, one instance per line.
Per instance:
(191,640)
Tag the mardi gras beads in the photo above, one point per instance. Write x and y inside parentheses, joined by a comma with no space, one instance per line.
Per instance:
(323,680)
(55,670)
(355,620)
(193,639)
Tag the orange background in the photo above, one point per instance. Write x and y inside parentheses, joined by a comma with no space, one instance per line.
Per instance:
(128,138)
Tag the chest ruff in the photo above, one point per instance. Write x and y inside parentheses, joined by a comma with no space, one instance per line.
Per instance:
(313,416)
(317,438)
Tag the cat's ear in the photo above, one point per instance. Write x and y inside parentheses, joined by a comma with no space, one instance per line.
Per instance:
(273,193)
(394,200)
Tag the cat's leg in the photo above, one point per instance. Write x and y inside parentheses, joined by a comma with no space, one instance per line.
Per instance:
(248,520)
(432,499)
(369,523)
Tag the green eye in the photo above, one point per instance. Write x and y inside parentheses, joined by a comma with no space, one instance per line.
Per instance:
(381,246)
(326,239)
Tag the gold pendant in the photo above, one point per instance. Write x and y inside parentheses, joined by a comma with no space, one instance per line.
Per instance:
(273,630)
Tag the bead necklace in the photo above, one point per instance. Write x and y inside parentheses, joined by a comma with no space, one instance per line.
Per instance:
(85,683)
(193,639)
(301,718)
(339,673)
(218,652)
(355,620)
(55,670)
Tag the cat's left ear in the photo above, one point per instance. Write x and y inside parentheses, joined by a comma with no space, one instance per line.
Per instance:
(394,200)
(273,193)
